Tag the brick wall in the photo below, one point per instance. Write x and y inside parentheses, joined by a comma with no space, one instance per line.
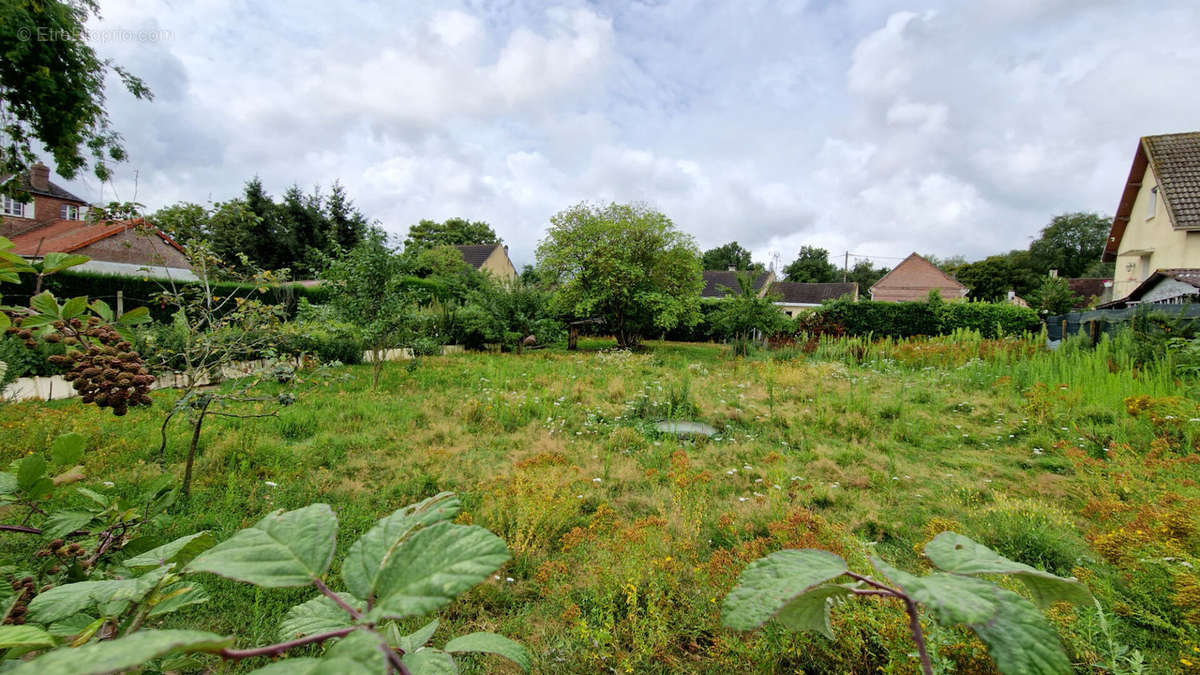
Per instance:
(138,249)
(912,280)
(45,210)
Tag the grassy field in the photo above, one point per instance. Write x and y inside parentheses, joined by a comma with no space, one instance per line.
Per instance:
(625,541)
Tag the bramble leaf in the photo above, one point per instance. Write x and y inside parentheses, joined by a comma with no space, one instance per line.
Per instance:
(67,449)
(181,551)
(491,643)
(417,639)
(958,554)
(24,636)
(434,565)
(311,666)
(74,307)
(371,552)
(317,616)
(111,596)
(362,647)
(70,626)
(135,316)
(769,584)
(62,523)
(952,598)
(281,550)
(57,262)
(430,661)
(177,596)
(1021,640)
(112,656)
(810,611)
(45,304)
(30,470)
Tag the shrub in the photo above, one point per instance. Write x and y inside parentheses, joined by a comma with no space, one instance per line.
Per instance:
(1031,534)
(907,319)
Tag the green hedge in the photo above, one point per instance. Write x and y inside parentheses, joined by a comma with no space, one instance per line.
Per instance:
(140,292)
(907,319)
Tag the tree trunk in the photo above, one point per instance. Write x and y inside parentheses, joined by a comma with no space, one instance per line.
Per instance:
(191,459)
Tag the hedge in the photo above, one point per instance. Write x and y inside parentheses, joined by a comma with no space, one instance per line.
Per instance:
(907,319)
(140,292)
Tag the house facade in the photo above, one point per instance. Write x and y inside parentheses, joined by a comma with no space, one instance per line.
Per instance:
(491,258)
(53,220)
(1157,224)
(913,279)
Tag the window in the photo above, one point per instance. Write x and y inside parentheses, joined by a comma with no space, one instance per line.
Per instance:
(1152,203)
(11,207)
(1145,264)
(68,212)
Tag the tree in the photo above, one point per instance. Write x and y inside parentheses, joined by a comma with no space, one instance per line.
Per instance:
(865,274)
(184,221)
(743,312)
(729,256)
(52,90)
(453,232)
(1053,297)
(1071,243)
(347,224)
(626,264)
(989,279)
(950,265)
(812,266)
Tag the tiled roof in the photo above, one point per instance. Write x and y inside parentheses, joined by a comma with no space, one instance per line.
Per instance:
(1176,162)
(476,254)
(51,190)
(715,279)
(917,272)
(1187,275)
(794,293)
(65,236)
(1087,287)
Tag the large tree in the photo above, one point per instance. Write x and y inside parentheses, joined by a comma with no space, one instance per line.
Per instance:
(52,90)
(626,264)
(729,256)
(993,277)
(812,266)
(1071,244)
(453,232)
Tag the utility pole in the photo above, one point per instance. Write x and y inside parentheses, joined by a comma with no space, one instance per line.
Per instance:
(845,267)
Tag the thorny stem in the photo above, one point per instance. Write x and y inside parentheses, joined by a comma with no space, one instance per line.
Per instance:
(281,647)
(914,620)
(337,599)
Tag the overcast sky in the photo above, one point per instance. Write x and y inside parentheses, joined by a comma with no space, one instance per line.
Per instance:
(872,126)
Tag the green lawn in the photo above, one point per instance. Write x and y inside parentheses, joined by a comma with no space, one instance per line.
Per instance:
(626,541)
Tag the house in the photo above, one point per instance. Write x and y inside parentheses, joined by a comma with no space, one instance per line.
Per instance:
(1163,287)
(913,279)
(792,297)
(491,258)
(716,281)
(1091,290)
(52,221)
(1157,224)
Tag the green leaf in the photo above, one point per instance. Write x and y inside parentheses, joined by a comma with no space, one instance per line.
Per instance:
(318,615)
(770,583)
(430,661)
(417,639)
(111,596)
(491,643)
(362,647)
(135,316)
(102,310)
(181,551)
(433,566)
(9,483)
(96,497)
(71,626)
(43,303)
(30,470)
(310,666)
(1020,640)
(371,553)
(40,488)
(24,636)
(955,553)
(953,599)
(74,307)
(67,449)
(177,596)
(62,523)
(5,322)
(810,611)
(57,262)
(112,656)
(281,550)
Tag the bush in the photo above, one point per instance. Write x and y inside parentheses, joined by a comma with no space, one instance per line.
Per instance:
(329,342)
(1031,534)
(908,319)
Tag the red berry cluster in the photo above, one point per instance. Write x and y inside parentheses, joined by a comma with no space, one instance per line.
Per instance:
(24,591)
(104,369)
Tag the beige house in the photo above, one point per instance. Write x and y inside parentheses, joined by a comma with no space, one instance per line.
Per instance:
(1157,225)
(491,258)
(911,281)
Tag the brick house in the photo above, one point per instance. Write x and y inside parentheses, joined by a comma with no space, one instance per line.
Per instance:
(912,280)
(54,221)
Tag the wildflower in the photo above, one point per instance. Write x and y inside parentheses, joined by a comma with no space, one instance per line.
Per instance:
(109,483)
(595,480)
(270,483)
(509,579)
(741,499)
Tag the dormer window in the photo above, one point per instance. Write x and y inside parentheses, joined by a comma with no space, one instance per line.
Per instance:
(11,207)
(68,212)
(1152,203)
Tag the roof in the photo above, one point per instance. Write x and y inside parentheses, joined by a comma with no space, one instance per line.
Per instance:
(715,279)
(908,264)
(52,190)
(477,254)
(1088,287)
(65,236)
(1187,275)
(794,293)
(1175,160)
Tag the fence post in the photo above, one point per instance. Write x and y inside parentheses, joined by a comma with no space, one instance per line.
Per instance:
(1063,333)
(120,303)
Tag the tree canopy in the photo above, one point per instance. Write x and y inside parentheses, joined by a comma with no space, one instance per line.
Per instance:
(52,90)
(729,256)
(743,312)
(453,232)
(865,274)
(626,264)
(812,266)
(1071,243)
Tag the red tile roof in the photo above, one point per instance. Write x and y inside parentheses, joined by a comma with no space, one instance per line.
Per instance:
(65,236)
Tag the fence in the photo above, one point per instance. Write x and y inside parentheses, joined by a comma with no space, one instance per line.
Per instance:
(1100,321)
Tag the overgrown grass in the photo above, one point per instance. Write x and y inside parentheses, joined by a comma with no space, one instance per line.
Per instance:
(625,541)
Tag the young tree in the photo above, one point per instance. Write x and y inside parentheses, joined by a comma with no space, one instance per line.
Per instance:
(729,256)
(812,266)
(347,225)
(184,221)
(52,90)
(1053,297)
(743,312)
(624,263)
(1071,243)
(453,232)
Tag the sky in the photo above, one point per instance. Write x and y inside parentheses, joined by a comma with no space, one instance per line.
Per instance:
(877,127)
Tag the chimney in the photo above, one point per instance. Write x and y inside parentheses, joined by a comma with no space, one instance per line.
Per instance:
(1012,295)
(1053,274)
(39,177)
